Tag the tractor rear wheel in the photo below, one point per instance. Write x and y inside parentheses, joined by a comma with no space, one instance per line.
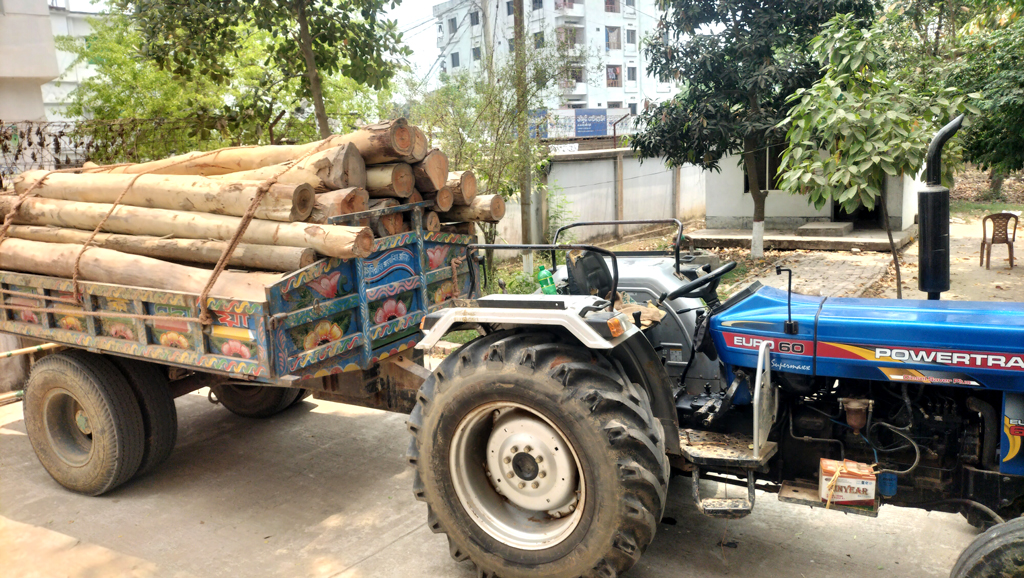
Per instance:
(538,457)
(255,400)
(159,416)
(83,422)
(997,552)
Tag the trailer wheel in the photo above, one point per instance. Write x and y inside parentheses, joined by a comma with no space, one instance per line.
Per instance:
(159,416)
(255,400)
(538,458)
(83,422)
(997,552)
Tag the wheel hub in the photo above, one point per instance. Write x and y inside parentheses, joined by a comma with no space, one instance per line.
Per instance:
(530,463)
(82,421)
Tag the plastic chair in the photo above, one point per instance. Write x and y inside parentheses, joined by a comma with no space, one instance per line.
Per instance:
(1000,236)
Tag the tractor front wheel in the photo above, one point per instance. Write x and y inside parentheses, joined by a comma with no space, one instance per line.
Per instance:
(255,400)
(538,457)
(998,552)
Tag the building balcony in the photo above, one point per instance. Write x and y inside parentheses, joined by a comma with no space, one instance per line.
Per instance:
(572,88)
(569,9)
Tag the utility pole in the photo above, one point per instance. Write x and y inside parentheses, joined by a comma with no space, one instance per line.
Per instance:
(523,141)
(485,9)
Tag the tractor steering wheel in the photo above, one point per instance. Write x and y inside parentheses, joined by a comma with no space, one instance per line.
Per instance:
(712,280)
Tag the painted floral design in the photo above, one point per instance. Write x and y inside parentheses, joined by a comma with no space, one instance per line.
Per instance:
(70,323)
(391,309)
(175,340)
(120,331)
(325,332)
(436,256)
(326,285)
(28,317)
(234,348)
(444,292)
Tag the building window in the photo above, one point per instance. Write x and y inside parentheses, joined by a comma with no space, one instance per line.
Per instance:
(767,161)
(631,73)
(614,104)
(612,38)
(576,74)
(511,7)
(614,74)
(476,53)
(453,25)
(455,59)
(632,108)
(538,40)
(474,19)
(611,5)
(631,3)
(577,105)
(538,4)
(630,36)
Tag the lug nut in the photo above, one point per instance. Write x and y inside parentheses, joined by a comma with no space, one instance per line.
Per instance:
(507,459)
(534,485)
(515,449)
(508,475)
(527,449)
(522,485)
(540,459)
(543,474)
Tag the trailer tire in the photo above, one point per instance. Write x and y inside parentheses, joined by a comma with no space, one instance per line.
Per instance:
(997,552)
(159,416)
(83,422)
(255,401)
(542,393)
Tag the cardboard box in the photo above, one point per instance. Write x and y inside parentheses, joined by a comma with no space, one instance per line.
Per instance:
(855,486)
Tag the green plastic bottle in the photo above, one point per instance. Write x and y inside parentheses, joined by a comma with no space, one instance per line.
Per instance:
(547,284)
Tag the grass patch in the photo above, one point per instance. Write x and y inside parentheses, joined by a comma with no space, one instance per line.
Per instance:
(980,209)
(461,337)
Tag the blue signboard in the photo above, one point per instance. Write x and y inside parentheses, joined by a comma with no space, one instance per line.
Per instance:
(539,123)
(591,122)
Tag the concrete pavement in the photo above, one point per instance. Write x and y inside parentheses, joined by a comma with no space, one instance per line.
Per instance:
(324,490)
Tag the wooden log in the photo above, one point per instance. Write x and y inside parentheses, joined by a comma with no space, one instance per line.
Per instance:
(339,167)
(335,203)
(431,222)
(175,192)
(432,172)
(460,229)
(420,146)
(268,257)
(443,198)
(331,240)
(391,180)
(463,186)
(108,266)
(490,208)
(386,225)
(377,143)
(415,197)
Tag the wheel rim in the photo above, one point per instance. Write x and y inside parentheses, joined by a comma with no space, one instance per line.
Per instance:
(68,427)
(516,476)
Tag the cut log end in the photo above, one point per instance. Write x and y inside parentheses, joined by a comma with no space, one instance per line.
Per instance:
(443,198)
(463,186)
(303,199)
(431,221)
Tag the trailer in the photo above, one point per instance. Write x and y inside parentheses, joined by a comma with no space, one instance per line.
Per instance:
(100,410)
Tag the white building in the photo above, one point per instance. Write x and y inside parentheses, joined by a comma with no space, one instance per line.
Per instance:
(66,22)
(611,31)
(27,59)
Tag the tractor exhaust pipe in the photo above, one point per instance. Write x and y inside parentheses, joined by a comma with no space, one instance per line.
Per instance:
(933,216)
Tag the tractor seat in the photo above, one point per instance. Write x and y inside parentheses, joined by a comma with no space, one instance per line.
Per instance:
(588,274)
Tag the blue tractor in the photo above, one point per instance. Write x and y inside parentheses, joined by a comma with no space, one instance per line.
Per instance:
(545,447)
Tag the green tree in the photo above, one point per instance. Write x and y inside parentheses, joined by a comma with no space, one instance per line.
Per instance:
(310,39)
(738,60)
(859,124)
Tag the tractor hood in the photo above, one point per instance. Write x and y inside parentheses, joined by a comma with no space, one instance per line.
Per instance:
(960,343)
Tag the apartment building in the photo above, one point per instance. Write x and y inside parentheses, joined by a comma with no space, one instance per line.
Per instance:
(612,31)
(66,22)
(27,59)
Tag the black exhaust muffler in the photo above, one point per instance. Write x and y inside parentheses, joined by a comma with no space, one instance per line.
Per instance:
(933,218)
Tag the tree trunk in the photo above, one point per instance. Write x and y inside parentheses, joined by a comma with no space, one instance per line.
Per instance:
(463,186)
(343,202)
(996,177)
(420,146)
(432,172)
(331,240)
(392,180)
(175,192)
(107,266)
(443,198)
(268,257)
(386,225)
(312,73)
(431,222)
(758,196)
(892,244)
(336,168)
(489,208)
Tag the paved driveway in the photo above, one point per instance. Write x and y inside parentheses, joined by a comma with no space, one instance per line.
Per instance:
(323,490)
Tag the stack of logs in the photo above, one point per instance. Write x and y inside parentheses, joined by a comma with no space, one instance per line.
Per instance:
(187,208)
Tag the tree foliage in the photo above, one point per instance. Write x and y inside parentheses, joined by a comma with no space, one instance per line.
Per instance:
(308,40)
(859,123)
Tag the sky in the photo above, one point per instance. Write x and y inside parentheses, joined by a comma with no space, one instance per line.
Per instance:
(415,18)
